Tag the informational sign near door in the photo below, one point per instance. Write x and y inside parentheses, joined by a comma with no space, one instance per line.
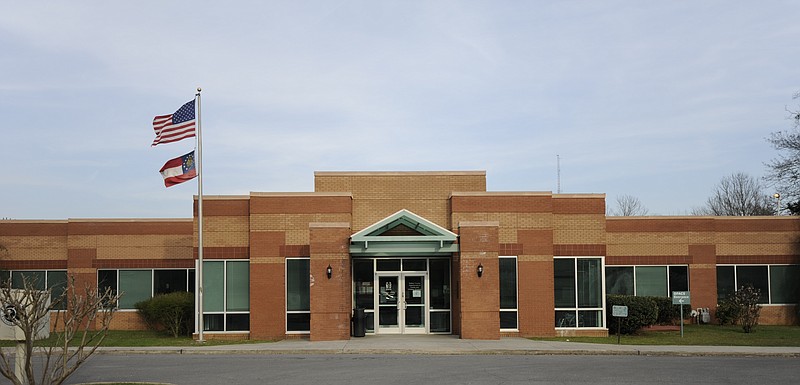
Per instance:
(415,287)
(681,298)
(620,312)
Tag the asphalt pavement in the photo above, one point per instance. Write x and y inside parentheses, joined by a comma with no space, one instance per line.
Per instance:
(453,345)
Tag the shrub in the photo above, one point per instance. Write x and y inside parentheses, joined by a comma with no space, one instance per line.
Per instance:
(669,314)
(727,312)
(741,308)
(172,312)
(746,298)
(642,311)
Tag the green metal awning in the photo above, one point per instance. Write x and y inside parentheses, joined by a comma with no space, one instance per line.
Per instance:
(403,233)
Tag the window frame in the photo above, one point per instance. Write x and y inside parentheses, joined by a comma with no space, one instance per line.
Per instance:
(577,308)
(287,312)
(152,282)
(46,272)
(515,310)
(225,312)
(769,266)
(667,268)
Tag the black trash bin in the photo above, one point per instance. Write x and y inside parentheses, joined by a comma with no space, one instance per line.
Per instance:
(359,323)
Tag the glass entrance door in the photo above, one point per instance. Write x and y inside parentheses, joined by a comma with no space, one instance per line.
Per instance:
(402,304)
(389,304)
(414,305)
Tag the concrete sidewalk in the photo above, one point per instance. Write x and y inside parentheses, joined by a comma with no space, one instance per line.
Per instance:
(453,345)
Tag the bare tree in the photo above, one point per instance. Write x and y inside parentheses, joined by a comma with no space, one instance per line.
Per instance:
(629,206)
(784,171)
(738,194)
(79,329)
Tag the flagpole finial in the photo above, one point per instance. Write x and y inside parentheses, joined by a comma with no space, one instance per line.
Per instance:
(199,89)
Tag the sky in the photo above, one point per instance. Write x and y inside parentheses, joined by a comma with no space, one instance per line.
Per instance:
(654,99)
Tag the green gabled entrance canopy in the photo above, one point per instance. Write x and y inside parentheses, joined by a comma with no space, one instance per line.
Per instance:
(403,233)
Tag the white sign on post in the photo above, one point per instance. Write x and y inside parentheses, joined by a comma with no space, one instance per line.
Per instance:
(681,298)
(619,311)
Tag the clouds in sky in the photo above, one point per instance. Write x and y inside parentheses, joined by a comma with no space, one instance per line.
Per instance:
(653,99)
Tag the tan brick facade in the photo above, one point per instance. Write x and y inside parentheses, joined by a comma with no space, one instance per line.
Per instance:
(535,227)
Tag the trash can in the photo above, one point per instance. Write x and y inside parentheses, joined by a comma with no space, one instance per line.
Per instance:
(359,323)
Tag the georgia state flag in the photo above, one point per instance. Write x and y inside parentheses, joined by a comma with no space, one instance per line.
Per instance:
(179,170)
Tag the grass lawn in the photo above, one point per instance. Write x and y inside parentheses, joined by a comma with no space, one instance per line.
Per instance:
(709,335)
(146,338)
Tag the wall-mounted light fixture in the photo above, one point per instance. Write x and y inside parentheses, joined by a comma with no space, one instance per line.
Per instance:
(480,270)
(329,271)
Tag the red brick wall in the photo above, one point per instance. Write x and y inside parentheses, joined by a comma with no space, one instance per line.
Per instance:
(267,286)
(535,283)
(479,299)
(331,298)
(703,243)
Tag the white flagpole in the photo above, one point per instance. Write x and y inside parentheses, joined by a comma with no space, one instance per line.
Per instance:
(199,165)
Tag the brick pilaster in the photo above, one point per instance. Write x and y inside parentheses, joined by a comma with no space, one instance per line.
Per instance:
(331,298)
(703,276)
(479,299)
(267,285)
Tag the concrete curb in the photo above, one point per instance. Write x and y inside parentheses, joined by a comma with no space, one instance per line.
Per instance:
(526,352)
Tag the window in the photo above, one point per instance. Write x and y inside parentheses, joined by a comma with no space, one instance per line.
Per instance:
(137,285)
(578,292)
(439,283)
(508,293)
(657,281)
(784,284)
(168,281)
(778,284)
(298,295)
(226,296)
(55,280)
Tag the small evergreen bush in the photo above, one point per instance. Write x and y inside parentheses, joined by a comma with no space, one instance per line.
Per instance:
(172,312)
(642,311)
(669,314)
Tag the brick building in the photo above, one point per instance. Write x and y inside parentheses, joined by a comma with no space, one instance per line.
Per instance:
(421,252)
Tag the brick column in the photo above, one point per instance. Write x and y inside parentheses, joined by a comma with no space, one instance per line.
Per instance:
(703,276)
(535,292)
(267,285)
(331,298)
(80,267)
(479,299)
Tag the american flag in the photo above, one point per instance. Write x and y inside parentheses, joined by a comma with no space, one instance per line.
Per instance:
(174,127)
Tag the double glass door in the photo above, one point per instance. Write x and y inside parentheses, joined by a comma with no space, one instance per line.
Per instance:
(401,303)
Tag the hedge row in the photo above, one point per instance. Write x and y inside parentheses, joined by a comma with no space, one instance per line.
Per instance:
(642,312)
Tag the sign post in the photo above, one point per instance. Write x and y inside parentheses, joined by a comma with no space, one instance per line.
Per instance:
(681,298)
(619,312)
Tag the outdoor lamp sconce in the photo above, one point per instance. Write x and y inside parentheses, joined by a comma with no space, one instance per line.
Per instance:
(329,271)
(480,270)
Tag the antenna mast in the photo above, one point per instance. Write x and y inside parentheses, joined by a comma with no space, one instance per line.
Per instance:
(558,171)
